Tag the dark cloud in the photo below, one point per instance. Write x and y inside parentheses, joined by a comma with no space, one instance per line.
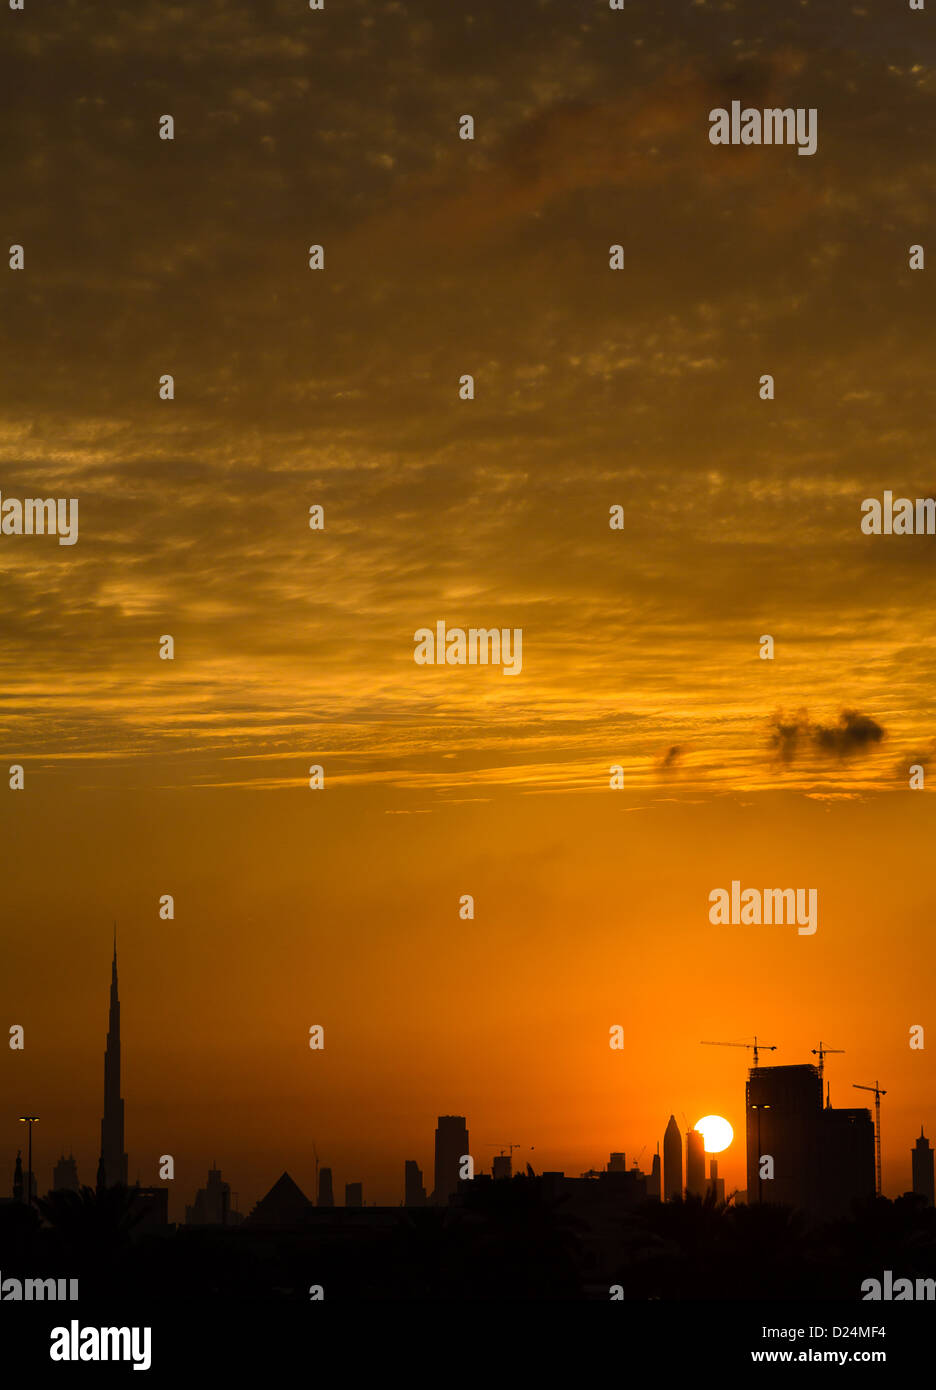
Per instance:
(853,733)
(670,758)
(786,735)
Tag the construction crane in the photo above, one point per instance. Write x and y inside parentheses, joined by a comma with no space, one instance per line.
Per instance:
(877,1130)
(507,1149)
(758,1047)
(823,1052)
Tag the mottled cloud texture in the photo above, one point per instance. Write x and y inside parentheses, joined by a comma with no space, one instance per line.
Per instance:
(593,388)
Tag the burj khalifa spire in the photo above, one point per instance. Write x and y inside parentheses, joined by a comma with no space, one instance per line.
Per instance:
(112,1167)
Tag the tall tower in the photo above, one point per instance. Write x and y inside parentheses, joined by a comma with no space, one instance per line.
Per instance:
(655,1180)
(414,1194)
(695,1163)
(112,1168)
(922,1156)
(451,1142)
(65,1175)
(672,1161)
(326,1196)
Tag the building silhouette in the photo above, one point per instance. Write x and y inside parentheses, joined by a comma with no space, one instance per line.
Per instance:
(326,1197)
(617,1163)
(847,1159)
(922,1156)
(283,1207)
(672,1160)
(414,1194)
(65,1175)
(655,1180)
(150,1209)
(451,1142)
(502,1167)
(112,1167)
(212,1204)
(715,1184)
(822,1159)
(695,1163)
(354,1194)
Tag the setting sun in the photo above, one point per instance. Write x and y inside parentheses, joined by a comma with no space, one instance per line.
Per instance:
(716,1132)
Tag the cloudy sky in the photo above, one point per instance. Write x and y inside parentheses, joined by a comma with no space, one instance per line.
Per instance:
(594,388)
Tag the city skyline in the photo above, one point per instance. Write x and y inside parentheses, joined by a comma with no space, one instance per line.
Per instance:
(686,1163)
(457,466)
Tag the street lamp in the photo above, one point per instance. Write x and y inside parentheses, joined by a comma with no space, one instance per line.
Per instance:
(29,1120)
(760,1181)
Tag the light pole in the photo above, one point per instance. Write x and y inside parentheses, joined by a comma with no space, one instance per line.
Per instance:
(29,1120)
(760,1181)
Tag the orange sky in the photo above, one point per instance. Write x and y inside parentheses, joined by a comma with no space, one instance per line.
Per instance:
(640,647)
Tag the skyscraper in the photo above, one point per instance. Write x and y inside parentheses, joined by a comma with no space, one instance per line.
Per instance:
(112,1168)
(326,1197)
(354,1194)
(672,1160)
(212,1203)
(922,1156)
(655,1181)
(716,1185)
(783,1109)
(695,1163)
(822,1159)
(451,1142)
(414,1194)
(65,1175)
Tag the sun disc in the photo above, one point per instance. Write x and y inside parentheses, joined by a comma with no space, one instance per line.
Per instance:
(716,1133)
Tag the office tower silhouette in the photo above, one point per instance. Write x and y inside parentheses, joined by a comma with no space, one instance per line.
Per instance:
(922,1156)
(326,1198)
(414,1194)
(501,1167)
(354,1194)
(672,1160)
(823,1159)
(847,1167)
(655,1180)
(716,1185)
(212,1203)
(112,1167)
(617,1163)
(695,1163)
(65,1175)
(451,1142)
